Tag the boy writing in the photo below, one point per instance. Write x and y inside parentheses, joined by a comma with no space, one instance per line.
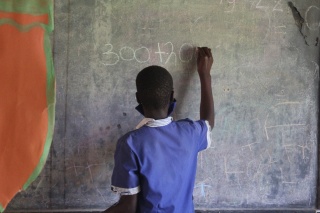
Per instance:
(155,165)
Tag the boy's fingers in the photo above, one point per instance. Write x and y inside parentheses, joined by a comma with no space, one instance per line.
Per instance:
(200,51)
(210,53)
(207,51)
(203,51)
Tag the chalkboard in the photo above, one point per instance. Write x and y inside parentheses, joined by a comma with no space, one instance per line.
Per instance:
(265,84)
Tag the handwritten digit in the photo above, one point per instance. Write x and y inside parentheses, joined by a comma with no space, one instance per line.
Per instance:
(171,54)
(314,26)
(110,47)
(126,59)
(141,48)
(190,55)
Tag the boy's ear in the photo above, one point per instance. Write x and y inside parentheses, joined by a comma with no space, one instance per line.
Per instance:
(171,97)
(137,98)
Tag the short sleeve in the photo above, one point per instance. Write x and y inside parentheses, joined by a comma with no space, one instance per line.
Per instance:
(125,176)
(204,131)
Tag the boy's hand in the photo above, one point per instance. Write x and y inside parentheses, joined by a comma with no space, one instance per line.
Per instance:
(204,60)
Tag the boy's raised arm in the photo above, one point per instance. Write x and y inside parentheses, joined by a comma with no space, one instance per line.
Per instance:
(204,64)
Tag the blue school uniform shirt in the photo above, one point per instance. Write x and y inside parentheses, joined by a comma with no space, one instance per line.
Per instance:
(159,161)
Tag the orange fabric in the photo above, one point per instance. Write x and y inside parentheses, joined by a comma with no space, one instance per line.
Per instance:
(23,105)
(25,19)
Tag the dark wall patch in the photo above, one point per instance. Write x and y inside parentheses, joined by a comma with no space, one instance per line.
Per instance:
(298,19)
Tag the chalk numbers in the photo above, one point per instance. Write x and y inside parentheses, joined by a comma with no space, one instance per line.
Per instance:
(255,4)
(113,58)
(186,53)
(164,52)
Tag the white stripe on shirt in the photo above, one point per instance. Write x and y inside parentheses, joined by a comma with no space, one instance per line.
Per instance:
(150,122)
(125,191)
(208,134)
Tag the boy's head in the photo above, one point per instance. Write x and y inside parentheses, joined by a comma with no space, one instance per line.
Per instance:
(154,87)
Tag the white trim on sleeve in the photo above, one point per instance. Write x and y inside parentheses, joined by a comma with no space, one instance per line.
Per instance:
(208,134)
(125,191)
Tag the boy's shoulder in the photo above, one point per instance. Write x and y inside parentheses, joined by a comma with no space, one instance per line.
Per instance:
(146,131)
(128,135)
(132,135)
(186,120)
(193,123)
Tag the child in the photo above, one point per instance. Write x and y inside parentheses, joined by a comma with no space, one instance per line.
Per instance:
(155,165)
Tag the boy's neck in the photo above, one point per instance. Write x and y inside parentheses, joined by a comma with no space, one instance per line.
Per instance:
(156,114)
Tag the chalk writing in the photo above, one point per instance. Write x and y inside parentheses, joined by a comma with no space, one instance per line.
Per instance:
(110,47)
(233,3)
(280,29)
(304,147)
(277,7)
(308,13)
(165,52)
(266,126)
(259,4)
(202,187)
(316,70)
(128,51)
(141,49)
(227,171)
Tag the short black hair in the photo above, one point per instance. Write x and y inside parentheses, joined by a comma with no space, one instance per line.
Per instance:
(154,86)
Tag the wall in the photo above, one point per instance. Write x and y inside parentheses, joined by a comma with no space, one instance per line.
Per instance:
(265,85)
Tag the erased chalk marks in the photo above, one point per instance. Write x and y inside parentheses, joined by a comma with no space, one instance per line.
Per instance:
(274,110)
(304,148)
(275,162)
(280,29)
(230,172)
(249,146)
(202,189)
(316,70)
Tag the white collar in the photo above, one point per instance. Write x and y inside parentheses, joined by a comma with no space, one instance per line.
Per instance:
(150,122)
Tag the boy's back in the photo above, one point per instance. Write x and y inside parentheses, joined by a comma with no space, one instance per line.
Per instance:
(164,153)
(155,166)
